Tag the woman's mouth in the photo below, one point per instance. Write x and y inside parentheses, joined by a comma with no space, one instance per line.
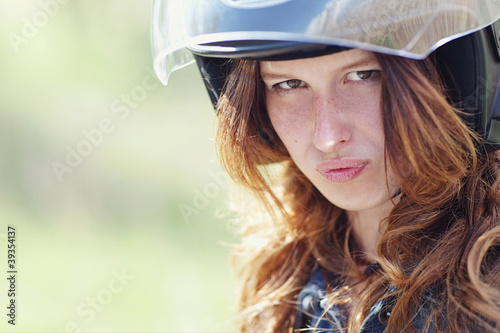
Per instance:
(342,170)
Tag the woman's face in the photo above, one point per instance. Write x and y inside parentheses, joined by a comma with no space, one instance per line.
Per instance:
(327,112)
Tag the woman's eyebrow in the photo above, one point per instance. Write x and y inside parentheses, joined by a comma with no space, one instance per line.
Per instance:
(360,63)
(274,76)
(270,75)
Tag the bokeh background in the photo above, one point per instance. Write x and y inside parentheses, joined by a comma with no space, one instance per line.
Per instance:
(110,179)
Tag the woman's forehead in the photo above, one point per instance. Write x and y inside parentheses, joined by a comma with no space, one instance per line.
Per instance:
(335,61)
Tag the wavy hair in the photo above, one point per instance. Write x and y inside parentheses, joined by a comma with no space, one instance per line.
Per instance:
(443,235)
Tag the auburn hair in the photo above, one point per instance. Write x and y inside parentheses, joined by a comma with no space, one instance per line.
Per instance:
(443,235)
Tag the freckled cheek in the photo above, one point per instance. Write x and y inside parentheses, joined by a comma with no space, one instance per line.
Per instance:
(366,109)
(291,121)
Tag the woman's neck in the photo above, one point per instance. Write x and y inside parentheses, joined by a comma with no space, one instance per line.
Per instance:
(366,226)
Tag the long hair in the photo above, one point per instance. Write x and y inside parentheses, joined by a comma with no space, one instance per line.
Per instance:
(443,235)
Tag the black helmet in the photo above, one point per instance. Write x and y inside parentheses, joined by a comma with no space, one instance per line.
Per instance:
(463,35)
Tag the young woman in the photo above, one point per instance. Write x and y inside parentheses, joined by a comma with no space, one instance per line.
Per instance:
(371,154)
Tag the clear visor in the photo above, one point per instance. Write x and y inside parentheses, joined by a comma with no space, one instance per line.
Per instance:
(408,28)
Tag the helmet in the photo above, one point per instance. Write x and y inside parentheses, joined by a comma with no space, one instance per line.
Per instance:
(462,35)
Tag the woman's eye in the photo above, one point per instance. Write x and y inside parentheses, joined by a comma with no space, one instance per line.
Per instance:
(290,84)
(361,75)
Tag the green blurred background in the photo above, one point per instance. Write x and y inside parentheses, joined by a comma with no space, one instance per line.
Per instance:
(126,237)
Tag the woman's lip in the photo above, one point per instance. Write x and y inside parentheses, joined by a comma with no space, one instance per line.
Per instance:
(342,170)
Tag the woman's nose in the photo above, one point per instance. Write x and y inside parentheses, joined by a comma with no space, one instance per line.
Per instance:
(331,128)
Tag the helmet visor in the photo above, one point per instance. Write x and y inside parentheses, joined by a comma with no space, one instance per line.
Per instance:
(242,28)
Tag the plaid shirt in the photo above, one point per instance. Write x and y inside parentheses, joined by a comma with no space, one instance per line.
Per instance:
(312,302)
